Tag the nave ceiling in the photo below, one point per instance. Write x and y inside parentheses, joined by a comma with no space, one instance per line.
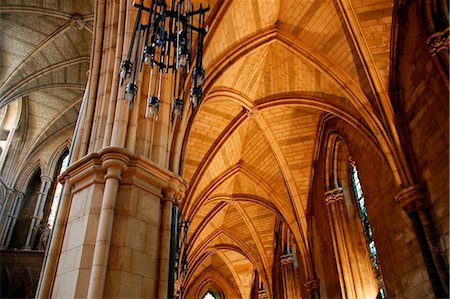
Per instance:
(45,55)
(275,70)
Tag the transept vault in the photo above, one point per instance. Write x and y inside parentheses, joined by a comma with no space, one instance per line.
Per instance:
(315,166)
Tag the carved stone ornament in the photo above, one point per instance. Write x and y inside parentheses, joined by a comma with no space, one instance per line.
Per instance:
(253,113)
(287,259)
(262,294)
(438,41)
(334,195)
(77,22)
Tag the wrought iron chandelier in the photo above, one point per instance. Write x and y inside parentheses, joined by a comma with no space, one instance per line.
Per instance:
(165,43)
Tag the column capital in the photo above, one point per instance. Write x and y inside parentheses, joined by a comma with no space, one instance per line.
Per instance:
(174,191)
(262,294)
(115,160)
(46,178)
(18,194)
(334,195)
(411,198)
(115,157)
(312,286)
(287,259)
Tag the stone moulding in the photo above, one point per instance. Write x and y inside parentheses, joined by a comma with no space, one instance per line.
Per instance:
(140,171)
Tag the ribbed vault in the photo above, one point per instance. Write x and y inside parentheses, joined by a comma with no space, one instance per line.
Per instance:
(274,68)
(45,49)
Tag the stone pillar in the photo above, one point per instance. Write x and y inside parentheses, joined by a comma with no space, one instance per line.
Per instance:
(353,262)
(313,288)
(5,204)
(412,201)
(287,269)
(114,163)
(4,201)
(38,210)
(12,218)
(113,220)
(116,242)
(48,271)
(171,196)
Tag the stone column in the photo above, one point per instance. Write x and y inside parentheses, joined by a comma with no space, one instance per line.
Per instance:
(38,210)
(114,163)
(171,196)
(6,203)
(287,262)
(313,288)
(412,201)
(3,201)
(113,220)
(12,218)
(48,271)
(353,262)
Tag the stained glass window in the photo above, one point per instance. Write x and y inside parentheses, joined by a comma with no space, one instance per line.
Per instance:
(367,229)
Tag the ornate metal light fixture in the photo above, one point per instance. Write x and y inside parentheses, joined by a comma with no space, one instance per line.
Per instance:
(165,43)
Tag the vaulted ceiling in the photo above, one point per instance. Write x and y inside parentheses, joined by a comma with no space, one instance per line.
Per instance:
(45,53)
(274,69)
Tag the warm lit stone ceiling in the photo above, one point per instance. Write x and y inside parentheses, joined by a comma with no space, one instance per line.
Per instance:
(274,69)
(45,53)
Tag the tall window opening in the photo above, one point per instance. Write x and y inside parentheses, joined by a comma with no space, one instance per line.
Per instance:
(57,194)
(360,201)
(209,295)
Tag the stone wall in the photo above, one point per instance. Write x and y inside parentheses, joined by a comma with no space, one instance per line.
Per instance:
(400,259)
(20,273)
(423,109)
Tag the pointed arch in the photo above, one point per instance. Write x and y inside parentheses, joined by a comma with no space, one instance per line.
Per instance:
(55,159)
(27,173)
(23,280)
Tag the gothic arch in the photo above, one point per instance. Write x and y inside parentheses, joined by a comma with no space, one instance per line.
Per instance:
(23,280)
(353,264)
(55,158)
(27,173)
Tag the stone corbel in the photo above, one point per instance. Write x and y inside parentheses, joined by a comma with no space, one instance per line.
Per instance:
(411,198)
(438,41)
(312,288)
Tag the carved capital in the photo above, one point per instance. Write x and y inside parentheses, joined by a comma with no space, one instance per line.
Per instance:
(287,259)
(411,198)
(334,195)
(262,294)
(312,286)
(438,41)
(115,161)
(19,195)
(174,191)
(46,178)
